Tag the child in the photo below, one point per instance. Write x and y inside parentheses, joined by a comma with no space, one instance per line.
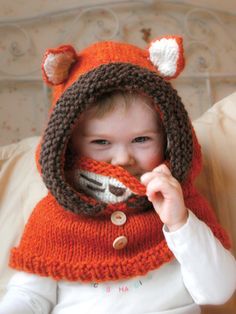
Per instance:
(102,241)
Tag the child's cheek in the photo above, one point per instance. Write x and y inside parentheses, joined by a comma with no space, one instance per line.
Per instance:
(154,159)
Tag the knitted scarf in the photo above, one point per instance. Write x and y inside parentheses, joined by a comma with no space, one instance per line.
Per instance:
(122,241)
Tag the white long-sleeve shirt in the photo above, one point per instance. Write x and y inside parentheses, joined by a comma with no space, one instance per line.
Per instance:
(202,273)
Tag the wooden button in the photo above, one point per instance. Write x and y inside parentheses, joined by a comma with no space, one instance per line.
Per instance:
(118,218)
(120,242)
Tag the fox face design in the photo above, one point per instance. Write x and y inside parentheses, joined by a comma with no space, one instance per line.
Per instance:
(104,188)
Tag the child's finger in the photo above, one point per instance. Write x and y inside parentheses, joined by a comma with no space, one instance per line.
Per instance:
(160,185)
(148,176)
(162,169)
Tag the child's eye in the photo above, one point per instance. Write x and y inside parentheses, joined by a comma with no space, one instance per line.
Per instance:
(141,139)
(100,142)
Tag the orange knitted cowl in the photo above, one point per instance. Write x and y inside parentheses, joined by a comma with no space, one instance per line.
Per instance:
(123,241)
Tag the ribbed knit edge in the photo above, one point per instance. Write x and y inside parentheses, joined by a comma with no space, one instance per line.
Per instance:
(103,271)
(100,272)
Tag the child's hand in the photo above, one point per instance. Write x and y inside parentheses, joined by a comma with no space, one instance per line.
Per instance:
(165,193)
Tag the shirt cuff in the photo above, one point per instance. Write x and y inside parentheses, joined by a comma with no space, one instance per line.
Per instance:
(180,237)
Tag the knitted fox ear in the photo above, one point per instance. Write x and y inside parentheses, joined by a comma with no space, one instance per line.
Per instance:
(57,63)
(167,55)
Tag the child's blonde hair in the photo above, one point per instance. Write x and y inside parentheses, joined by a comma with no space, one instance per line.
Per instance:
(108,102)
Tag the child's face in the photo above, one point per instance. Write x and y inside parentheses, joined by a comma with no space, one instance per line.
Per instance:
(128,137)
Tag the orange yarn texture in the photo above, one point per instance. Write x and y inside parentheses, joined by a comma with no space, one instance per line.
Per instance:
(77,247)
(65,245)
(104,53)
(116,172)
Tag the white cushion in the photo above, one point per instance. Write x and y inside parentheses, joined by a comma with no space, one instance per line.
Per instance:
(216,132)
(21,187)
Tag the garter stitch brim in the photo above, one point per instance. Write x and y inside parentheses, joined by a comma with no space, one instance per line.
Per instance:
(102,68)
(83,93)
(69,235)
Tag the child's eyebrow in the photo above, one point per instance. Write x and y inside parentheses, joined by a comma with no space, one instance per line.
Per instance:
(147,131)
(96,135)
(136,133)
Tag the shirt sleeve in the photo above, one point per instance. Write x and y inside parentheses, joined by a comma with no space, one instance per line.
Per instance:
(208,269)
(29,294)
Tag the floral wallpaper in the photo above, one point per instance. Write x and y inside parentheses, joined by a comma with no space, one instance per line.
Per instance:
(27,28)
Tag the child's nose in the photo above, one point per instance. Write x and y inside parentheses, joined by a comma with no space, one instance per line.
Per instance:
(122,157)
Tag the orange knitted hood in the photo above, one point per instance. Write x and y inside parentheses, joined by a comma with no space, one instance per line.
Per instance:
(104,228)
(81,78)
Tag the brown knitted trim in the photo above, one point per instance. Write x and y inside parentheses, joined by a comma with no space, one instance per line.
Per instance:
(84,92)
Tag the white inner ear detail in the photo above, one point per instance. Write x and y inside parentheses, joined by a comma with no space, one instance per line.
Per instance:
(57,66)
(164,55)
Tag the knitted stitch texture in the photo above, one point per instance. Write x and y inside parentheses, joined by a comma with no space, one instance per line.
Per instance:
(64,245)
(70,234)
(102,68)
